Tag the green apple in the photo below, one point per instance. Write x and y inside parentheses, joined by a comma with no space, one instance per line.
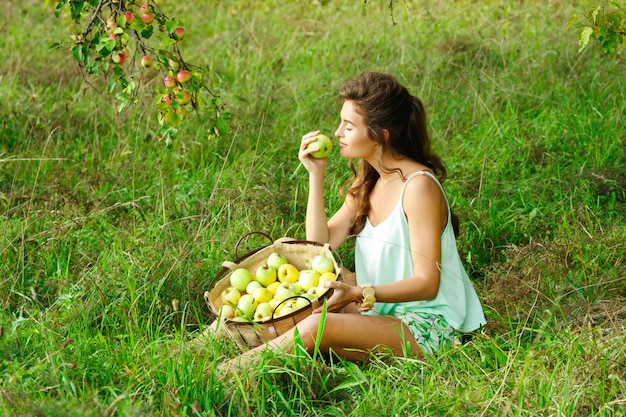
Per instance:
(240,278)
(226,312)
(284,290)
(275,260)
(263,312)
(322,264)
(266,274)
(245,308)
(247,298)
(297,288)
(183,97)
(302,302)
(308,278)
(230,295)
(252,286)
(288,308)
(316,292)
(324,146)
(288,273)
(262,295)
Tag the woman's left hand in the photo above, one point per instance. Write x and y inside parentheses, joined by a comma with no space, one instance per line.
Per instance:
(343,295)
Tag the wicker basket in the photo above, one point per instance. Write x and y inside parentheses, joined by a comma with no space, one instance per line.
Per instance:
(249,334)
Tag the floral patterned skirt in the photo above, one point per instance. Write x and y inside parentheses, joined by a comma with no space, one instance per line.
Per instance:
(431,331)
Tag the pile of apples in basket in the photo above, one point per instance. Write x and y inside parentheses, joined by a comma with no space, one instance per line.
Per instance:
(270,291)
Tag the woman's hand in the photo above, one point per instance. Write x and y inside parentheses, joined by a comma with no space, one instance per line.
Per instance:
(343,295)
(304,155)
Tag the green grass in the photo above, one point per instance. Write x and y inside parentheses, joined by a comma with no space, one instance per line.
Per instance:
(108,239)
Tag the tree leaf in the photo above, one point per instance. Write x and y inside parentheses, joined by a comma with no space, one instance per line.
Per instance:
(583,39)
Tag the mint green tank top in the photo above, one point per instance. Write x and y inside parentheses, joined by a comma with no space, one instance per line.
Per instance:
(383,255)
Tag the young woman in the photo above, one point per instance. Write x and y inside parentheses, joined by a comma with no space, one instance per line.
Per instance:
(411,294)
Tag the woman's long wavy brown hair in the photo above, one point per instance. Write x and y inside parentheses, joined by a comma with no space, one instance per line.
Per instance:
(385,104)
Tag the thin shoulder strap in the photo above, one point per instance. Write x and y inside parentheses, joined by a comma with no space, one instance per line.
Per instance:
(432,177)
(429,175)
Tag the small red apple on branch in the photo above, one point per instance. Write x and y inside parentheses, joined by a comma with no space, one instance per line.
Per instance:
(121,40)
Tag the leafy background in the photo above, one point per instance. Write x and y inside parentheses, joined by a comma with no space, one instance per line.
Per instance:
(108,238)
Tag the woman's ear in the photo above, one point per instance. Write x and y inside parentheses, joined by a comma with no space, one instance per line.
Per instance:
(385,134)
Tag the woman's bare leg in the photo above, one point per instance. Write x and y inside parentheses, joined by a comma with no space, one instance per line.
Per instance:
(351,336)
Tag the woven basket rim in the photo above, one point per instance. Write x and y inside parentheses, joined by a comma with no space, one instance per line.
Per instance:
(221,280)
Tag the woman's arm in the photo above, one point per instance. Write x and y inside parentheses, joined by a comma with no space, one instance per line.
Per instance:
(318,227)
(426,212)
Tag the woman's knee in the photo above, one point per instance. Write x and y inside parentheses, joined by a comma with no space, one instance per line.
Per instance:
(309,327)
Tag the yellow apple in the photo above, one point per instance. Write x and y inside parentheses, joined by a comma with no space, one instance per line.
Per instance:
(288,273)
(262,295)
(327,277)
(273,286)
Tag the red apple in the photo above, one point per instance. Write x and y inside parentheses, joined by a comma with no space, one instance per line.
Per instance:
(183,76)
(170,82)
(179,33)
(146,61)
(129,16)
(174,62)
(147,18)
(118,57)
(145,8)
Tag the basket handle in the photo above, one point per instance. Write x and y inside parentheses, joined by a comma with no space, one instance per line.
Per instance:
(312,303)
(244,237)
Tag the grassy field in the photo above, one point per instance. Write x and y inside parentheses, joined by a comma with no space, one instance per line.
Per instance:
(108,239)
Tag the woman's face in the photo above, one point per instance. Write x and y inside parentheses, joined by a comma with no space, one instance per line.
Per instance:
(354,140)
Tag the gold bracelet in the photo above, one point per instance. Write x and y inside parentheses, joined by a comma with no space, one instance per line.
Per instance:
(369,298)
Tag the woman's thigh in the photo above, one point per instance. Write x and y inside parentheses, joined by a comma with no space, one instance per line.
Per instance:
(352,336)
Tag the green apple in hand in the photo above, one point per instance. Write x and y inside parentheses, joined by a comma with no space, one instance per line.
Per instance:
(324,146)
